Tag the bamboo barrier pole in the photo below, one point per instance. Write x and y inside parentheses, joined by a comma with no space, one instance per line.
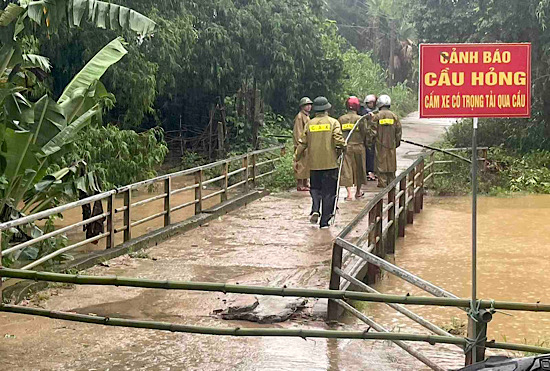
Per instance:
(401,309)
(269,291)
(238,331)
(379,328)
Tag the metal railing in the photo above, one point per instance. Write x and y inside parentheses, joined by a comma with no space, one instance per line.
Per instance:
(242,172)
(387,216)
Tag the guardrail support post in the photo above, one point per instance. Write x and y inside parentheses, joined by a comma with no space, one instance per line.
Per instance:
(418,184)
(333,308)
(246,173)
(422,173)
(372,270)
(110,222)
(1,291)
(410,204)
(390,238)
(225,181)
(128,215)
(380,251)
(432,168)
(198,191)
(254,170)
(403,204)
(168,201)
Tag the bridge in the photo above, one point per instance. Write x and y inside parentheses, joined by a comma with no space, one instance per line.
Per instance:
(196,230)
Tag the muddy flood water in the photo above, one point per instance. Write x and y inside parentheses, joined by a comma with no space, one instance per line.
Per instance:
(513,250)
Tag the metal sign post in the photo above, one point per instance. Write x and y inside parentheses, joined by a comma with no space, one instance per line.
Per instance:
(474,231)
(472,81)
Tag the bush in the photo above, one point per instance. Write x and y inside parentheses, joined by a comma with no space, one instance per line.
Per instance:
(118,157)
(507,172)
(283,178)
(365,76)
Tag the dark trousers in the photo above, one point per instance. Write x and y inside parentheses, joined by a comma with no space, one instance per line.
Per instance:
(370,159)
(323,192)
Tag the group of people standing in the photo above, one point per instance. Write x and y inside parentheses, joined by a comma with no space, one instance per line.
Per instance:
(366,136)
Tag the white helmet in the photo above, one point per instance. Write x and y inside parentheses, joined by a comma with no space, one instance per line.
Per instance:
(370,98)
(384,100)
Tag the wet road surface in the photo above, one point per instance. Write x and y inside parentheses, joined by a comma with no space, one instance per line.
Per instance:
(269,242)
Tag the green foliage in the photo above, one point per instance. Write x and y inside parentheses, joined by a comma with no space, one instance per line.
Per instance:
(496,21)
(364,76)
(119,157)
(283,178)
(507,172)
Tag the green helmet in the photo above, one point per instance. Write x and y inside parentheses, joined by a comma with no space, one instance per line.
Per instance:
(321,104)
(304,101)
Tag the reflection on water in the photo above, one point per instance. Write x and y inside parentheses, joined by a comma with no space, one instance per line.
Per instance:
(513,243)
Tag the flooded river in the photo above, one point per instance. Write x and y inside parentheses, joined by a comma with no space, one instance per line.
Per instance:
(513,246)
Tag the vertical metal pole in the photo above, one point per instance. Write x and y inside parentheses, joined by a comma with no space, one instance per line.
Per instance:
(225,181)
(379,246)
(167,201)
(390,242)
(474,327)
(198,192)
(372,270)
(111,222)
(432,168)
(410,192)
(333,308)
(246,172)
(128,215)
(474,219)
(422,171)
(417,184)
(254,171)
(402,221)
(1,256)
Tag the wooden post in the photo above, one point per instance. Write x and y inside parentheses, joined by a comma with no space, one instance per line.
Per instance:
(111,222)
(167,201)
(221,140)
(390,238)
(403,203)
(478,330)
(128,215)
(417,184)
(333,308)
(198,192)
(246,172)
(483,163)
(410,192)
(225,181)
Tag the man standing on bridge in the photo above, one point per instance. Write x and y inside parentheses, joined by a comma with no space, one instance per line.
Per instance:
(354,167)
(301,170)
(322,138)
(385,129)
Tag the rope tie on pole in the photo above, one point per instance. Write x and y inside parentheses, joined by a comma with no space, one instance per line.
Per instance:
(481,316)
(473,312)
(479,341)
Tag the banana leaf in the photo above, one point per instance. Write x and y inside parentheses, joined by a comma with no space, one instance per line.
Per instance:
(95,68)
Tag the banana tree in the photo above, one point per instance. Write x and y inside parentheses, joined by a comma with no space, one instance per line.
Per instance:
(36,133)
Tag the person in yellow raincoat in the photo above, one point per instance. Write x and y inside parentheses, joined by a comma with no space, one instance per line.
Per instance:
(385,130)
(354,167)
(301,169)
(322,138)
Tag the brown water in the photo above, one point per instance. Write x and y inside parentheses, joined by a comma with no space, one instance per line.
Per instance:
(513,246)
